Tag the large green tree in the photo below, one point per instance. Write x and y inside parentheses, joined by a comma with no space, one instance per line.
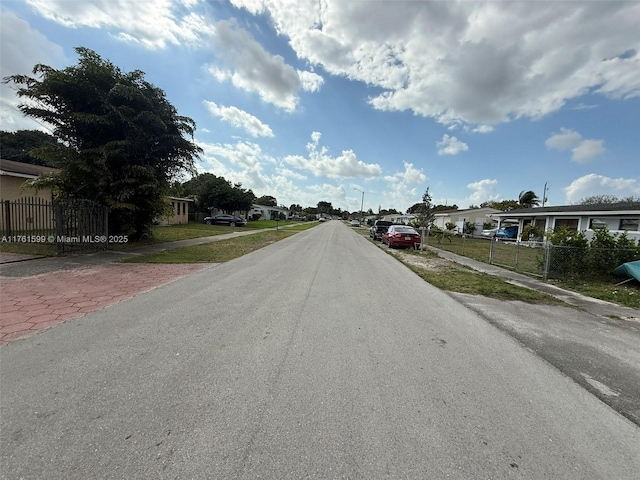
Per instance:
(267,201)
(120,141)
(17,146)
(504,205)
(212,192)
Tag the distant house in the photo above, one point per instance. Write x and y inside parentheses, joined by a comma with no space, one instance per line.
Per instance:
(617,217)
(13,176)
(266,212)
(476,216)
(180,209)
(399,218)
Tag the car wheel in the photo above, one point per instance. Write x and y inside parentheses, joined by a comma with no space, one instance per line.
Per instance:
(208,222)
(232,224)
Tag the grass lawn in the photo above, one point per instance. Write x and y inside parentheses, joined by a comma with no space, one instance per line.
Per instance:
(453,277)
(162,234)
(215,252)
(604,289)
(37,249)
(529,261)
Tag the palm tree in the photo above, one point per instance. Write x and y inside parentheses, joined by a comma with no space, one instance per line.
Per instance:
(528,199)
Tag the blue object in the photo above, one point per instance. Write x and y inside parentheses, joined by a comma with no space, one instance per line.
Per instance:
(508,232)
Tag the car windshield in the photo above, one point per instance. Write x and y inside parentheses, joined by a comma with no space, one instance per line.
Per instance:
(405,230)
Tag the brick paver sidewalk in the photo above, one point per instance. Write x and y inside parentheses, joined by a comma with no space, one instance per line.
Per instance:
(31,304)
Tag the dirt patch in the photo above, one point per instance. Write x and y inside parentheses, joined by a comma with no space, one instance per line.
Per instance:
(423,261)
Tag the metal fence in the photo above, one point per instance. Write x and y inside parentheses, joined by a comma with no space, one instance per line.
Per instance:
(74,226)
(81,226)
(31,216)
(555,261)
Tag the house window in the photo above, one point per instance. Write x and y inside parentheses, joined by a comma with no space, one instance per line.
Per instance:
(184,208)
(630,224)
(595,223)
(568,223)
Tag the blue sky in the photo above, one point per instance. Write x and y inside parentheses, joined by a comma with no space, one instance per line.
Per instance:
(313,101)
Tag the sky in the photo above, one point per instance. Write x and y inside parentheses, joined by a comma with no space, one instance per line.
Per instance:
(322,100)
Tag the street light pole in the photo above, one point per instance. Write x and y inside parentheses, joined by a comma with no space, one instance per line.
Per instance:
(361,203)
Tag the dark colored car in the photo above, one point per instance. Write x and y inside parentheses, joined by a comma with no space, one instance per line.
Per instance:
(224,219)
(401,236)
(508,232)
(378,229)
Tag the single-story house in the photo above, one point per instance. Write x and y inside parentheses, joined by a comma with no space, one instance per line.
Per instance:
(399,218)
(13,176)
(477,216)
(266,212)
(617,217)
(180,209)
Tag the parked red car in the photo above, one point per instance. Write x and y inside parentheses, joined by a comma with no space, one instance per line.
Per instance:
(401,236)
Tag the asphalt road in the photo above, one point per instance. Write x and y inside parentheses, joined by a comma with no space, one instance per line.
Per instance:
(317,357)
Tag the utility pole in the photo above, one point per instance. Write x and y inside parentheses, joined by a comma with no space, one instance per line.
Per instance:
(544,194)
(361,203)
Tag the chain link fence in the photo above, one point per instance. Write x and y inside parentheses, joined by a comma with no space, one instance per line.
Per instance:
(561,262)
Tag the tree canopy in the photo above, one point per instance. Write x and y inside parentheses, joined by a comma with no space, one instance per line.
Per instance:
(17,146)
(425,211)
(607,199)
(212,192)
(504,205)
(119,140)
(267,201)
(528,199)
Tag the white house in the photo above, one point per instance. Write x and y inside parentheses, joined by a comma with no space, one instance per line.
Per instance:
(617,217)
(399,218)
(266,212)
(477,216)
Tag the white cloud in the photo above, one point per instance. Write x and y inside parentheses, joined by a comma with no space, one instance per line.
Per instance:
(483,191)
(321,164)
(21,48)
(311,82)
(594,184)
(411,175)
(451,146)
(164,21)
(563,141)
(251,68)
(483,129)
(240,119)
(583,150)
(399,190)
(587,150)
(242,154)
(475,62)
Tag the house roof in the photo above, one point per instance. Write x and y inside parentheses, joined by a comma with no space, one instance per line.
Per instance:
(278,209)
(24,170)
(449,213)
(181,199)
(620,208)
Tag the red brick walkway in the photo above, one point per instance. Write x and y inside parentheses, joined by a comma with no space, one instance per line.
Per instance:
(31,304)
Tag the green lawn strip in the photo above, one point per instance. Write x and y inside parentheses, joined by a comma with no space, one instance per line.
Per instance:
(214,252)
(302,226)
(462,279)
(459,280)
(605,288)
(36,249)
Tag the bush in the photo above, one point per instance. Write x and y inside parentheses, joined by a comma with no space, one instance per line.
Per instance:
(532,233)
(599,257)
